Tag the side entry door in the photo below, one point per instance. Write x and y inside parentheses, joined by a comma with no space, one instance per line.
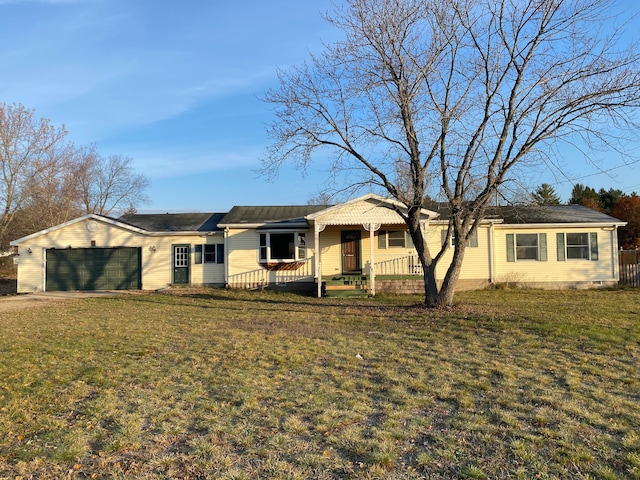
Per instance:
(181,264)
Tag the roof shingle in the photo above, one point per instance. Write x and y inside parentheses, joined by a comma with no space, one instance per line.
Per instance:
(174,222)
(260,215)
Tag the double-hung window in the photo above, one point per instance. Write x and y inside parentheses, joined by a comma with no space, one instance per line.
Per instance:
(577,246)
(471,243)
(210,253)
(526,246)
(394,239)
(282,246)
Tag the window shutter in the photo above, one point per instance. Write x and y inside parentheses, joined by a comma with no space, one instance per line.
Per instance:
(473,241)
(594,245)
(560,247)
(220,253)
(263,246)
(511,250)
(197,254)
(542,247)
(382,240)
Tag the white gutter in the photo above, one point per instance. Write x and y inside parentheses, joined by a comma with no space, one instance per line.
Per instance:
(514,226)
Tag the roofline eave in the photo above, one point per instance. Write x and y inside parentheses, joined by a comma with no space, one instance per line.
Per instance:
(73,221)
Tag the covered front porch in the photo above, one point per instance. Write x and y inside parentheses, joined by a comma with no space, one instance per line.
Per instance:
(361,243)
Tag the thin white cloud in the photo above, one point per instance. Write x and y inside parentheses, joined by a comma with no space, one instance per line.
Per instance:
(177,162)
(51,2)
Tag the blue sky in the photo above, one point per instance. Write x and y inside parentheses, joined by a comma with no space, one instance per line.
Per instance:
(176,85)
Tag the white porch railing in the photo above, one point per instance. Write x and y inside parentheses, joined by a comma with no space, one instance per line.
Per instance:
(397,265)
(261,277)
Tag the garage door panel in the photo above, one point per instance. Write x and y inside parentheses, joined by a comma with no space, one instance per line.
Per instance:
(94,269)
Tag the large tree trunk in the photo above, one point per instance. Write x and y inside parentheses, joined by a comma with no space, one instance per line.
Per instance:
(448,288)
(424,255)
(430,287)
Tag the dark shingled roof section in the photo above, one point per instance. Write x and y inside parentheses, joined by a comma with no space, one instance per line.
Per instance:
(537,214)
(174,222)
(284,214)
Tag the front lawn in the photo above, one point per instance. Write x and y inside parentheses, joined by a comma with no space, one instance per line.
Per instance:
(235,385)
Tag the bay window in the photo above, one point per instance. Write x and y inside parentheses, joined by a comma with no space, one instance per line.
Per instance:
(282,246)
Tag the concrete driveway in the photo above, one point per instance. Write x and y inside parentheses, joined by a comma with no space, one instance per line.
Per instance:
(12,303)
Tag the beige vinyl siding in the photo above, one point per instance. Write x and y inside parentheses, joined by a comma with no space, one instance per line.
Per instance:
(205,273)
(476,263)
(571,270)
(245,270)
(157,265)
(200,274)
(331,250)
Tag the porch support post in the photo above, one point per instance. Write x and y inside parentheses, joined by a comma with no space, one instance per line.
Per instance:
(372,227)
(317,228)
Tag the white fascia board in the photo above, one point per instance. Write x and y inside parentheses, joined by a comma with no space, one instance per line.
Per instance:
(90,216)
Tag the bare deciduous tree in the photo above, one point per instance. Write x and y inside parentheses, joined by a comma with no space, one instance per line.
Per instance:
(109,185)
(458,93)
(30,149)
(45,180)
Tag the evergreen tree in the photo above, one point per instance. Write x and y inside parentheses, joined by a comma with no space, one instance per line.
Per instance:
(545,194)
(586,196)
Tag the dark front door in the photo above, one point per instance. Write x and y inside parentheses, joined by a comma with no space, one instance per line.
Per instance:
(350,251)
(181,264)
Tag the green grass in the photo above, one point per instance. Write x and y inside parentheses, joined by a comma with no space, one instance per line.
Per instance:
(235,385)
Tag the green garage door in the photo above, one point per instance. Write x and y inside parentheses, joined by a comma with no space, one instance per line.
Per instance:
(93,269)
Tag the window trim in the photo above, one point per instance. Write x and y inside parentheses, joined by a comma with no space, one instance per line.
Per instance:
(471,243)
(299,246)
(563,247)
(512,247)
(200,253)
(383,239)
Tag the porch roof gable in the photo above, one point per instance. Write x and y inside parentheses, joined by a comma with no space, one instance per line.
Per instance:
(367,209)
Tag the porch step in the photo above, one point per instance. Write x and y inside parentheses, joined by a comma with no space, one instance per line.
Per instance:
(345,286)
(336,291)
(352,280)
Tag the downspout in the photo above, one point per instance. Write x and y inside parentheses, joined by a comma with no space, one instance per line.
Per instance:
(491,254)
(614,254)
(226,260)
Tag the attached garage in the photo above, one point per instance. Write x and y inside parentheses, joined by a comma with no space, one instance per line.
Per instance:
(93,269)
